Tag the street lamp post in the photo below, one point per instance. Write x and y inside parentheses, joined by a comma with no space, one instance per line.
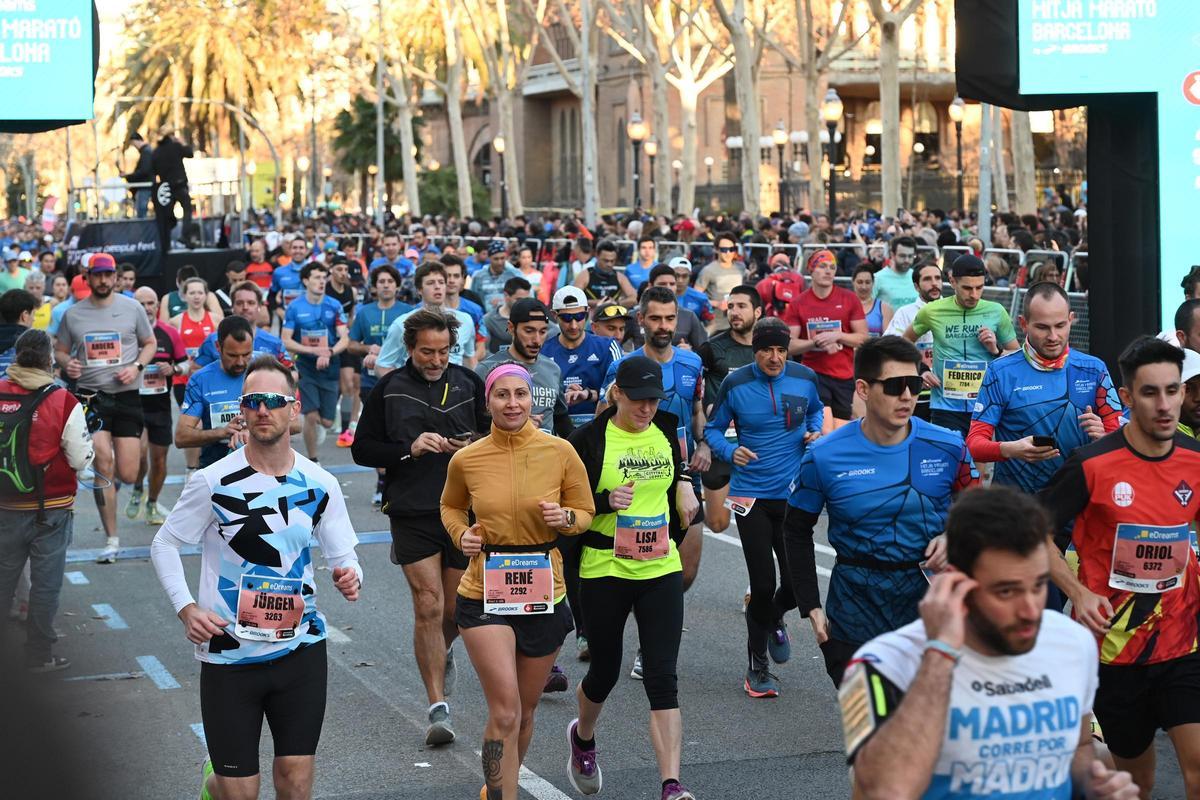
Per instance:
(373,170)
(498,146)
(708,163)
(302,164)
(250,169)
(637,130)
(957,107)
(326,173)
(831,112)
(780,137)
(651,152)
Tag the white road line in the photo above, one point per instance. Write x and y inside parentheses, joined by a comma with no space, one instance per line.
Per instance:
(721,537)
(335,635)
(76,578)
(111,618)
(536,785)
(158,673)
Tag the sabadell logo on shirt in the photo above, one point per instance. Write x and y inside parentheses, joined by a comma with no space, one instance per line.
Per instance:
(1005,688)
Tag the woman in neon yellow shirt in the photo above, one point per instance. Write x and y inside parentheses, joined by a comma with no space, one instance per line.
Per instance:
(629,563)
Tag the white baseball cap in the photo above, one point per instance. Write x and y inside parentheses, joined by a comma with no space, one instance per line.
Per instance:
(568,297)
(679,262)
(1191,365)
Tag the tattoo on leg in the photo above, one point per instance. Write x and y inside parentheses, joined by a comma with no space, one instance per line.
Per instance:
(493,753)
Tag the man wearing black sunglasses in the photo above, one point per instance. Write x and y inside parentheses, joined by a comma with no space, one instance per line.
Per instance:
(886,481)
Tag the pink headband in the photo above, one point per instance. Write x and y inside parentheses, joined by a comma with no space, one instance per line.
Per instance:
(504,371)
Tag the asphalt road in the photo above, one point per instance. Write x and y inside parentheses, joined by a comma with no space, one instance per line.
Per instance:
(132,693)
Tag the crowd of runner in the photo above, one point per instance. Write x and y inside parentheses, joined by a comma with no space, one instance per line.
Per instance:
(553,428)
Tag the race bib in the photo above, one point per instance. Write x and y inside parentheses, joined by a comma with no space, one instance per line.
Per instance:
(518,584)
(961,379)
(641,538)
(269,609)
(1149,558)
(926,350)
(823,326)
(289,295)
(101,349)
(314,337)
(858,713)
(222,413)
(154,381)
(740,505)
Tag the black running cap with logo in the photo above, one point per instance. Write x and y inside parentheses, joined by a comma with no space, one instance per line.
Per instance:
(968,266)
(640,378)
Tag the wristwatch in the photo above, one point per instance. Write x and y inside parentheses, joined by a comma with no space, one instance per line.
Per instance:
(568,519)
(140,366)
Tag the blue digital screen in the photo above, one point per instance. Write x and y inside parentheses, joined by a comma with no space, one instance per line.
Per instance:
(1117,46)
(46,59)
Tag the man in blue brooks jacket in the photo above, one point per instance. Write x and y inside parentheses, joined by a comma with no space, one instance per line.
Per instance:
(776,409)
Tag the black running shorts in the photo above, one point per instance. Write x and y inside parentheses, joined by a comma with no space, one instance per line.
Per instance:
(537,635)
(837,395)
(416,537)
(289,690)
(1134,701)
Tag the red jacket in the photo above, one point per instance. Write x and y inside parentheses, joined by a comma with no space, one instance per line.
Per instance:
(60,437)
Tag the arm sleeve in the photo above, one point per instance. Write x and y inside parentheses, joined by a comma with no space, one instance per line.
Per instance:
(1005,333)
(1065,497)
(966,476)
(392,352)
(186,524)
(610,375)
(207,354)
(979,441)
(193,401)
(579,440)
(722,415)
(815,418)
(76,442)
(456,499)
(336,533)
(576,492)
(920,323)
(372,445)
(562,420)
(697,336)
(1108,404)
(798,528)
(145,332)
(356,328)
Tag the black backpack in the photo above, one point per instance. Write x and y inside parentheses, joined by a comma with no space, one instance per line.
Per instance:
(18,475)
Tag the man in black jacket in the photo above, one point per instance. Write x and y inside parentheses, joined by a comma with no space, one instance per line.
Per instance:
(415,418)
(171,186)
(142,173)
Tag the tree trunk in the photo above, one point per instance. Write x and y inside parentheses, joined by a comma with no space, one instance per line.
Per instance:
(812,124)
(458,141)
(1000,177)
(889,109)
(1023,164)
(747,99)
(404,120)
(363,189)
(689,98)
(985,176)
(662,134)
(588,42)
(508,129)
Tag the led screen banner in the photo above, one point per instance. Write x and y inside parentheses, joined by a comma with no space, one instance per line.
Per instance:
(46,60)
(1118,46)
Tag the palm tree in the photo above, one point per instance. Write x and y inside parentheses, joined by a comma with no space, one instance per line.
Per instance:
(248,53)
(354,141)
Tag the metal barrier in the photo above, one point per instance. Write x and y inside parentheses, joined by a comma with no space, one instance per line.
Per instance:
(1071,267)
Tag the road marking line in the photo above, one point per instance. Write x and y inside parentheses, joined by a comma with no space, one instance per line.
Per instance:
(335,635)
(333,469)
(536,785)
(111,676)
(89,555)
(111,618)
(76,578)
(156,672)
(721,537)
(198,729)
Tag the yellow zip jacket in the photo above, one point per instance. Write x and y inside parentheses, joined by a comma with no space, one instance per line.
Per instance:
(502,478)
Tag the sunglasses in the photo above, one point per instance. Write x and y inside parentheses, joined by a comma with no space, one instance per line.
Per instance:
(612,311)
(726,249)
(894,387)
(578,316)
(272,400)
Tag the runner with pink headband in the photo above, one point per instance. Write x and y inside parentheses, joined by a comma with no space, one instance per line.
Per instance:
(504,371)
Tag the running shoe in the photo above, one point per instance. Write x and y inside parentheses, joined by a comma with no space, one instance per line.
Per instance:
(377,499)
(556,681)
(636,672)
(746,600)
(451,674)
(761,683)
(779,644)
(322,432)
(582,769)
(208,770)
(109,554)
(581,647)
(674,790)
(54,664)
(346,439)
(154,514)
(439,731)
(134,507)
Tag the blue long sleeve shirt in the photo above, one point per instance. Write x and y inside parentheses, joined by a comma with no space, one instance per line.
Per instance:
(771,417)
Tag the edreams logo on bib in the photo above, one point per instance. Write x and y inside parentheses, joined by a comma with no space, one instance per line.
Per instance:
(1003,688)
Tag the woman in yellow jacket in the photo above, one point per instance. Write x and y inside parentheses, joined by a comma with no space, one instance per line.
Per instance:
(525,488)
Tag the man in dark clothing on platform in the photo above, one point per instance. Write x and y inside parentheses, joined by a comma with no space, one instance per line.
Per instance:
(167,161)
(142,173)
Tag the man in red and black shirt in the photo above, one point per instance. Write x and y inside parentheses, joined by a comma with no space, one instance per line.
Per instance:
(829,324)
(1132,498)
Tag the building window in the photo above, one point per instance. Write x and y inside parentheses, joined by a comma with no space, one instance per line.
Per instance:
(926,141)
